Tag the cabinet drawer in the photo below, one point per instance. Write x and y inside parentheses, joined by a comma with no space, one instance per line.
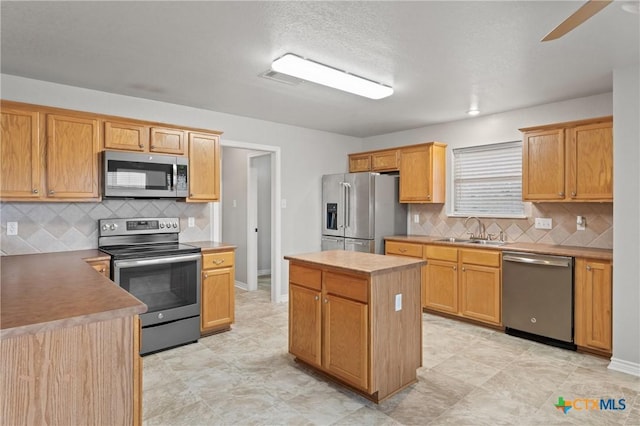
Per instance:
(480,257)
(306,277)
(442,253)
(403,249)
(223,259)
(348,286)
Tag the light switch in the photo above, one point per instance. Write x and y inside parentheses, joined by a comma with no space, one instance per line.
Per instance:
(416,218)
(192,222)
(398,302)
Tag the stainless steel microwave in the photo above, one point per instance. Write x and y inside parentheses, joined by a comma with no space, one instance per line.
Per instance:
(140,175)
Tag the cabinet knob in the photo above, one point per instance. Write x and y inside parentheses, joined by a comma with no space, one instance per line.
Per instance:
(588,267)
(317,298)
(463,269)
(218,261)
(455,268)
(35,190)
(561,194)
(402,250)
(428,197)
(326,300)
(51,192)
(153,147)
(206,275)
(141,145)
(102,271)
(190,194)
(573,193)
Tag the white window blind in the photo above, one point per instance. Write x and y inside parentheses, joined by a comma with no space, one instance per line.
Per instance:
(488,180)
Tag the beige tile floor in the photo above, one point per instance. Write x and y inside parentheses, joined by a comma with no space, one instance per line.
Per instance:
(470,376)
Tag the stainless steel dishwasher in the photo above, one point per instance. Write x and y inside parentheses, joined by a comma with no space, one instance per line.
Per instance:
(537,297)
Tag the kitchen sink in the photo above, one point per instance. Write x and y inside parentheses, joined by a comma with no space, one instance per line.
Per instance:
(488,242)
(455,240)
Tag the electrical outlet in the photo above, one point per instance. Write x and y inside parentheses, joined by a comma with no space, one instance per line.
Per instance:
(416,218)
(581,223)
(191,222)
(12,228)
(543,223)
(399,302)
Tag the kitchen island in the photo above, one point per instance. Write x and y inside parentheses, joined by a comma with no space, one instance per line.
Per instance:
(69,342)
(357,318)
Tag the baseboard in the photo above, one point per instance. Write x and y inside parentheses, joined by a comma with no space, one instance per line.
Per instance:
(623,366)
(242,285)
(262,272)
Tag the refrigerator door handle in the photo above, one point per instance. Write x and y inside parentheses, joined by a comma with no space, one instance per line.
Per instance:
(347,196)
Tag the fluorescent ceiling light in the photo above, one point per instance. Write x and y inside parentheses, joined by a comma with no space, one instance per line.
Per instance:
(322,74)
(473,112)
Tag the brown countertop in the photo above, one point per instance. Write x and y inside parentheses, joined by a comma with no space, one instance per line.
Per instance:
(554,249)
(40,292)
(353,261)
(210,246)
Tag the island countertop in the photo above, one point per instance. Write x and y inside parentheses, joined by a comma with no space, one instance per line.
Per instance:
(40,292)
(356,262)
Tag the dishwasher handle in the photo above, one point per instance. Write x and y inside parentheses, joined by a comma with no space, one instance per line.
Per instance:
(565,263)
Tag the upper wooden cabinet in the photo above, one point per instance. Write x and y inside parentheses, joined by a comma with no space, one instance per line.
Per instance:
(53,154)
(169,141)
(422,173)
(134,136)
(204,167)
(385,160)
(20,154)
(568,161)
(359,163)
(72,157)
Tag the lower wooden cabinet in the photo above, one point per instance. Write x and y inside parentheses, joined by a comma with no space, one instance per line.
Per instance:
(101,266)
(137,372)
(593,303)
(217,298)
(462,282)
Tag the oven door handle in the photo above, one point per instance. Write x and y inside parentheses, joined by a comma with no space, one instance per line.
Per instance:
(156,260)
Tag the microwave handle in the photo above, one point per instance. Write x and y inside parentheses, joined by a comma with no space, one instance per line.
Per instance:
(175,177)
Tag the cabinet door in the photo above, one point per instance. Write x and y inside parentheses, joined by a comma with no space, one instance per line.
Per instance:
(422,173)
(480,293)
(440,286)
(167,141)
(217,298)
(346,345)
(385,161)
(543,165)
(126,136)
(593,304)
(590,155)
(72,157)
(359,163)
(20,154)
(305,324)
(204,167)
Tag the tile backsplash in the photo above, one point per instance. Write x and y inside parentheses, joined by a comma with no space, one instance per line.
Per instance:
(598,233)
(48,227)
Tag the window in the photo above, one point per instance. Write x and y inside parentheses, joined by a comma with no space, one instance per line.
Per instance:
(488,180)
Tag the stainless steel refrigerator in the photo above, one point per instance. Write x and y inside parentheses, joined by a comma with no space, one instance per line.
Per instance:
(359,209)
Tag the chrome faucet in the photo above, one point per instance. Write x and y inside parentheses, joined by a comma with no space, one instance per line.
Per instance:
(481,232)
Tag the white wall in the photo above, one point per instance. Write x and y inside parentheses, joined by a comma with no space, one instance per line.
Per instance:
(626,214)
(306,154)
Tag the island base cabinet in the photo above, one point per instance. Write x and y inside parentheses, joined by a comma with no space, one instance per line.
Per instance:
(79,375)
(304,324)
(364,331)
(346,344)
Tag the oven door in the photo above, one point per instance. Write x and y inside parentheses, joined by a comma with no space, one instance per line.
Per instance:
(168,285)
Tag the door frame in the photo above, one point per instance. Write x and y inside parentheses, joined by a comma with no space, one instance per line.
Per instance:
(276,214)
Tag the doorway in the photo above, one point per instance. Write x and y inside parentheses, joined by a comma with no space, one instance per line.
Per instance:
(257,252)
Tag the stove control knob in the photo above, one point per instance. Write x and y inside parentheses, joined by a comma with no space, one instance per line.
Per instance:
(105,227)
(113,227)
(161,225)
(160,315)
(175,224)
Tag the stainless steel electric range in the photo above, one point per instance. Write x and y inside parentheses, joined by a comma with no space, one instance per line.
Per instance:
(149,262)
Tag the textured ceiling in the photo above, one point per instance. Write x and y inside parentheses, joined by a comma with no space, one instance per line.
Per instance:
(440,57)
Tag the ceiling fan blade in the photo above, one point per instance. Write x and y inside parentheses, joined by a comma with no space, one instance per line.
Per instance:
(587,10)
